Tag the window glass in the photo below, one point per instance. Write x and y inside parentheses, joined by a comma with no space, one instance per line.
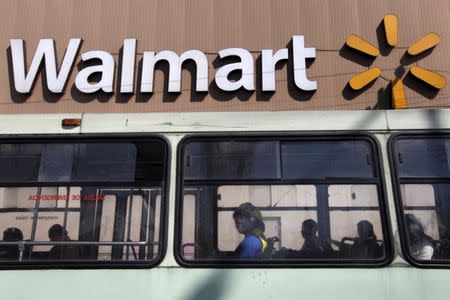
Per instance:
(426,213)
(357,234)
(422,167)
(113,217)
(344,195)
(68,162)
(20,162)
(423,157)
(327,159)
(188,234)
(283,225)
(231,160)
(318,219)
(231,196)
(293,195)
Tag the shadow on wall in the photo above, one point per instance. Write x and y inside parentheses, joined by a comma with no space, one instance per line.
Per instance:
(80,97)
(435,121)
(218,94)
(123,98)
(212,288)
(349,94)
(383,45)
(361,59)
(355,56)
(15,96)
(419,86)
(384,97)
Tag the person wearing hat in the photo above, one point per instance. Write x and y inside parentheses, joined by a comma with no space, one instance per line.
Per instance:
(248,221)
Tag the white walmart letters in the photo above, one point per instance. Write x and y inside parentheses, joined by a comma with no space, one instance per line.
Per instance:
(56,80)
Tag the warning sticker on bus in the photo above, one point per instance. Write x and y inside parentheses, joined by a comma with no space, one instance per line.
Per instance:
(88,197)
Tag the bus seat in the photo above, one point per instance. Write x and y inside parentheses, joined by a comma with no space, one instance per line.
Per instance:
(270,247)
(346,247)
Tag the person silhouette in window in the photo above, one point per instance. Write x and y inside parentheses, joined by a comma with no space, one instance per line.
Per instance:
(313,246)
(248,221)
(57,233)
(366,245)
(11,252)
(420,244)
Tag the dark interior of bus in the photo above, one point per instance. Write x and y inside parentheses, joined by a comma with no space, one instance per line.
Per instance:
(82,201)
(217,173)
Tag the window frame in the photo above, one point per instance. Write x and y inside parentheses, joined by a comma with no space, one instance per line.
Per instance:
(299,136)
(97,138)
(396,182)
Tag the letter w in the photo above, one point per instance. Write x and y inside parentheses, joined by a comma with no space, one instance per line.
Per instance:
(45,49)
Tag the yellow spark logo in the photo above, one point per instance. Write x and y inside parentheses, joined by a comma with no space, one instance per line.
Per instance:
(362,79)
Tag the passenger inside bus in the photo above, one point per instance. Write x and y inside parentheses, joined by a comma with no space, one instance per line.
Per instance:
(420,244)
(312,247)
(57,233)
(248,221)
(366,244)
(11,252)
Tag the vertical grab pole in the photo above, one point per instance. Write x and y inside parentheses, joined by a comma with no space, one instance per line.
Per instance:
(130,206)
(66,207)
(35,216)
(35,213)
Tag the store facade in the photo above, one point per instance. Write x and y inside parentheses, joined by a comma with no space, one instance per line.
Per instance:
(239,55)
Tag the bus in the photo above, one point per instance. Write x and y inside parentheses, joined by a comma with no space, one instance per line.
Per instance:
(348,205)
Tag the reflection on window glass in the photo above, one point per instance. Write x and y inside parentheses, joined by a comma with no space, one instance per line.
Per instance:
(231,196)
(356,233)
(188,234)
(423,157)
(54,220)
(284,226)
(106,216)
(20,162)
(324,159)
(68,162)
(425,220)
(422,165)
(270,195)
(232,160)
(353,195)
(282,221)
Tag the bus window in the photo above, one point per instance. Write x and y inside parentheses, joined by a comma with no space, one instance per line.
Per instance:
(294,201)
(84,203)
(188,234)
(278,223)
(422,172)
(350,205)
